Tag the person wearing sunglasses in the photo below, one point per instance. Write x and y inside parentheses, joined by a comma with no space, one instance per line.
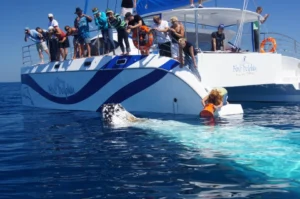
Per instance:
(106,30)
(115,20)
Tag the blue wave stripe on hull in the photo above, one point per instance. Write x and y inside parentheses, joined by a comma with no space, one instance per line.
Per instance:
(140,84)
(100,79)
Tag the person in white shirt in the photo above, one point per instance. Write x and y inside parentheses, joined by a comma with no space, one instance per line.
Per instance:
(53,41)
(52,21)
(256,27)
(161,28)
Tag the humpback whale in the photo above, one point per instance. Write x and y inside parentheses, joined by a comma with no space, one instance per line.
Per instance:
(116,114)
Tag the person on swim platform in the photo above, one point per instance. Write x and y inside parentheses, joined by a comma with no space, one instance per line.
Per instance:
(211,103)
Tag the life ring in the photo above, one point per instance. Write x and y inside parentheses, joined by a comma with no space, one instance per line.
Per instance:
(263,43)
(145,40)
(208,110)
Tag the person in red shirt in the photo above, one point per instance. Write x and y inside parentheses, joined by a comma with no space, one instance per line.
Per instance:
(63,42)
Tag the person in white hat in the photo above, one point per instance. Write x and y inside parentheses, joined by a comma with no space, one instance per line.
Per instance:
(52,21)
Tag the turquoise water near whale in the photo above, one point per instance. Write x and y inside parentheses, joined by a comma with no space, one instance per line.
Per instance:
(71,154)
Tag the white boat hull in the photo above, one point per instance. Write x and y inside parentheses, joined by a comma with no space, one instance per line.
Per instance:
(140,83)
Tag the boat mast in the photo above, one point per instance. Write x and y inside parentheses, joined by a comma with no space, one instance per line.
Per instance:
(86,6)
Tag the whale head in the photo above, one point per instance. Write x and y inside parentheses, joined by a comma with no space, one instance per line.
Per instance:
(116,114)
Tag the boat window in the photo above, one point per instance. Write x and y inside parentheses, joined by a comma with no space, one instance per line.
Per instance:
(87,63)
(121,61)
(56,66)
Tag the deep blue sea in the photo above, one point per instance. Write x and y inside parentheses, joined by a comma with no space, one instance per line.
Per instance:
(71,154)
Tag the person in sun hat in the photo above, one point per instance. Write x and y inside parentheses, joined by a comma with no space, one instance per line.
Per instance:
(217,39)
(119,24)
(176,32)
(193,6)
(37,38)
(82,23)
(52,22)
(106,30)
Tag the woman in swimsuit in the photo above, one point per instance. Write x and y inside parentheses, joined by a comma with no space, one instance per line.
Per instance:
(176,32)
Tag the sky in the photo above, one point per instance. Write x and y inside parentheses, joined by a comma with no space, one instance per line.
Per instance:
(17,14)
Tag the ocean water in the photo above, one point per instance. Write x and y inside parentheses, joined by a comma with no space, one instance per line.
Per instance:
(72,154)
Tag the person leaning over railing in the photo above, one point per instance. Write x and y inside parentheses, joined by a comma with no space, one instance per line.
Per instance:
(37,38)
(176,32)
(134,24)
(53,45)
(82,23)
(189,52)
(106,30)
(74,32)
(161,28)
(63,42)
(119,24)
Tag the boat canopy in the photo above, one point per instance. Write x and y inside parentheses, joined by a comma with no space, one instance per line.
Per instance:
(148,6)
(209,16)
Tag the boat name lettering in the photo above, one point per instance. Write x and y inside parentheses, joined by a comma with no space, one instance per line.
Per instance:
(244,68)
(60,87)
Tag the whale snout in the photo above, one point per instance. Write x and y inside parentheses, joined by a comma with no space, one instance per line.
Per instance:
(116,114)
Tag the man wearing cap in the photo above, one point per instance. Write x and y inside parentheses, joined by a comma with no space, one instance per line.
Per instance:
(82,23)
(217,39)
(119,24)
(37,38)
(127,6)
(106,30)
(52,21)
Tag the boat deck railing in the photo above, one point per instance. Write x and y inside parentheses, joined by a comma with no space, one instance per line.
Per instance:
(286,45)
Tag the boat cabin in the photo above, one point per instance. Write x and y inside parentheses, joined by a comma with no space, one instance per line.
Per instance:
(200,23)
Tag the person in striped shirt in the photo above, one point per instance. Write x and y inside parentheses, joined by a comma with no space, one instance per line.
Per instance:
(119,24)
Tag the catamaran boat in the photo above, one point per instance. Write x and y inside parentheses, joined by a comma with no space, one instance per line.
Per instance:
(156,83)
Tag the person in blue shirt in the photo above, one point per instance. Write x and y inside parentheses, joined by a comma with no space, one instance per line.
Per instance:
(106,30)
(82,23)
(37,38)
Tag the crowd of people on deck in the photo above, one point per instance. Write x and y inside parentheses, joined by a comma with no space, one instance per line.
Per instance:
(170,39)
(55,42)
